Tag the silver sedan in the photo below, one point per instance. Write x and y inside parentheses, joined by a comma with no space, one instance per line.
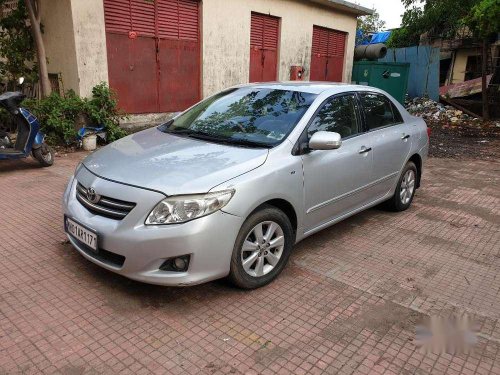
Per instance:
(228,187)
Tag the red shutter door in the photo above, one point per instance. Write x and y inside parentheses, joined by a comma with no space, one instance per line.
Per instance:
(132,62)
(178,54)
(327,57)
(264,36)
(153,53)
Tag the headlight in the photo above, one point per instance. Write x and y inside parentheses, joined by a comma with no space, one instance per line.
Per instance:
(182,208)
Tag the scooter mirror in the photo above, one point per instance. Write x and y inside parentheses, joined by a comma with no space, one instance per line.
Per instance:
(20,80)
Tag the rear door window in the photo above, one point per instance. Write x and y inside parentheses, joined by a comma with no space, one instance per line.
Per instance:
(379,111)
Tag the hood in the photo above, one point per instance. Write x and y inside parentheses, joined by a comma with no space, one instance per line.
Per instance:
(172,164)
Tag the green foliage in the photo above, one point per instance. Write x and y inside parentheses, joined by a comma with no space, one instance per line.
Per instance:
(370,23)
(58,115)
(17,47)
(102,110)
(445,19)
(484,18)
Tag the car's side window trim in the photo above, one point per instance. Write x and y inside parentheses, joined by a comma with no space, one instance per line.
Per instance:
(298,148)
(398,119)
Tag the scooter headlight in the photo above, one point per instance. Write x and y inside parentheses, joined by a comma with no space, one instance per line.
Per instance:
(182,208)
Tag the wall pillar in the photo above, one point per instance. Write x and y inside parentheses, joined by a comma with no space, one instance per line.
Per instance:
(75,41)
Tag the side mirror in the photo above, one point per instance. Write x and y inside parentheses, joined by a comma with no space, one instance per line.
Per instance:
(325,141)
(20,80)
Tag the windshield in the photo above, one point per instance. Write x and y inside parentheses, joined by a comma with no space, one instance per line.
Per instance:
(252,116)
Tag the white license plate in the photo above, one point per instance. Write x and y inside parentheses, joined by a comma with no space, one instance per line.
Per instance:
(82,234)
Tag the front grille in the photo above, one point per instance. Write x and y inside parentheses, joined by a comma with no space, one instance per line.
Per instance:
(105,206)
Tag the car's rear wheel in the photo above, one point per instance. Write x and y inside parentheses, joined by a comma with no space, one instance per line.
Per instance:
(405,190)
(262,248)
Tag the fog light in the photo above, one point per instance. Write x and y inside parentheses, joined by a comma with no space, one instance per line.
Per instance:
(177,264)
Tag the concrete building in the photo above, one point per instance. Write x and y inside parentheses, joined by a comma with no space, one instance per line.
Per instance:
(164,55)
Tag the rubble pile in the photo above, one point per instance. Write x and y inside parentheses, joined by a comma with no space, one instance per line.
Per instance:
(430,110)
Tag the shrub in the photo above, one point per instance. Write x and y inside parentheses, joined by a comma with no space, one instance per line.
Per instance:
(102,110)
(58,114)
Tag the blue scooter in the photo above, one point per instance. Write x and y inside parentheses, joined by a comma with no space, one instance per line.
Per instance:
(29,138)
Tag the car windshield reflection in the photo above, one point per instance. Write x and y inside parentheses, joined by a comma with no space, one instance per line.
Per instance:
(250,116)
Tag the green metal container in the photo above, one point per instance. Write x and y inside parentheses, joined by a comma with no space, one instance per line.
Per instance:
(390,77)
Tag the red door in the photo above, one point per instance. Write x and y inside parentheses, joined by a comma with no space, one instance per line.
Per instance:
(153,53)
(264,36)
(179,54)
(327,57)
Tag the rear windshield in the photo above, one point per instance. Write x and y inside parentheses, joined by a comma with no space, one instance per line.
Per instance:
(248,116)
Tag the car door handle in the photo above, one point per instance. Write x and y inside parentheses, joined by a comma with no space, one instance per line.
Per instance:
(364,150)
(405,137)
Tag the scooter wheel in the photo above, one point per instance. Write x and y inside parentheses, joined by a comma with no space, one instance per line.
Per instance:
(45,155)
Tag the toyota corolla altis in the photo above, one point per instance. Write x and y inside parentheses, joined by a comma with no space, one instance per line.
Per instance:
(227,187)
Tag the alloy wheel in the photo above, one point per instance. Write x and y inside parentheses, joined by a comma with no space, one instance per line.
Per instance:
(262,248)
(407,186)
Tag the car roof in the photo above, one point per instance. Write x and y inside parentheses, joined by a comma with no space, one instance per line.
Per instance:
(311,87)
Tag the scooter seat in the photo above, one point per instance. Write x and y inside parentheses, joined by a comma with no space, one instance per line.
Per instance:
(11,100)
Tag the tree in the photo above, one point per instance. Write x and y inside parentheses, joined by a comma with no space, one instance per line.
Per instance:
(17,48)
(449,19)
(33,10)
(20,39)
(483,21)
(370,23)
(434,18)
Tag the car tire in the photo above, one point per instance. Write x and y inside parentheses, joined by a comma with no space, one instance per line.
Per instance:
(405,190)
(256,264)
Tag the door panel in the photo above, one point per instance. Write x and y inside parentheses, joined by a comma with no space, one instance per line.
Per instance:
(327,57)
(153,53)
(269,66)
(179,82)
(264,37)
(334,69)
(390,152)
(256,69)
(337,181)
(334,181)
(391,139)
(130,72)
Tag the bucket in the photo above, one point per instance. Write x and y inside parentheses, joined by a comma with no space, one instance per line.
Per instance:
(89,142)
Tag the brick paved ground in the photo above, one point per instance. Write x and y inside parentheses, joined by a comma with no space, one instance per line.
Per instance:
(347,303)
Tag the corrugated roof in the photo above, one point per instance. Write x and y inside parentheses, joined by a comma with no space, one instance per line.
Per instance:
(345,6)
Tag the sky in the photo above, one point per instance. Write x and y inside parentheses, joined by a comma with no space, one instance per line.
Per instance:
(390,10)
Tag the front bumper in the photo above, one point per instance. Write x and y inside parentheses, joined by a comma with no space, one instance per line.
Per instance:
(208,240)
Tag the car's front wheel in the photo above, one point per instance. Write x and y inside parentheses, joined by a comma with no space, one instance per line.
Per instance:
(262,248)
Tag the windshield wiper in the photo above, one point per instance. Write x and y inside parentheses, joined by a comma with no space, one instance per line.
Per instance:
(229,141)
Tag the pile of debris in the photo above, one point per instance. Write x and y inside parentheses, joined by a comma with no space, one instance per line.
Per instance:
(433,111)
(454,133)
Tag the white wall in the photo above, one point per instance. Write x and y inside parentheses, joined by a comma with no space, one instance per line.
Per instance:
(226,37)
(90,43)
(59,42)
(75,42)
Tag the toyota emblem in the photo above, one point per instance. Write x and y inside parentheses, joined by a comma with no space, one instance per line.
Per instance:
(92,196)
